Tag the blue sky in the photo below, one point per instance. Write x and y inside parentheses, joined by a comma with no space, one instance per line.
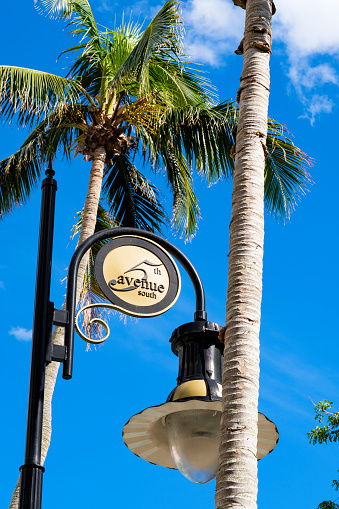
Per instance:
(88,465)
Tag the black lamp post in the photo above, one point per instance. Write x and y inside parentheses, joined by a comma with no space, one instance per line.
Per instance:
(31,471)
(183,432)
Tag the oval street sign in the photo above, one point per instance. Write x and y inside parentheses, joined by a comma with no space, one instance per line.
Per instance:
(137,276)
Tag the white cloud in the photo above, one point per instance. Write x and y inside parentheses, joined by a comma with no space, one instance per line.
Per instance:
(2,286)
(310,77)
(305,29)
(307,81)
(308,27)
(216,19)
(213,29)
(316,105)
(205,52)
(21,334)
(105,6)
(308,30)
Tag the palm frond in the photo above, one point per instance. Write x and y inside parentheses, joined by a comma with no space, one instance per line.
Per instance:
(20,172)
(104,221)
(185,205)
(87,73)
(81,22)
(184,139)
(79,13)
(91,292)
(286,176)
(178,85)
(204,136)
(155,62)
(163,32)
(133,200)
(30,94)
(120,44)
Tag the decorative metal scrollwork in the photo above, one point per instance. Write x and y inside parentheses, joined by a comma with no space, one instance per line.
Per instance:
(97,320)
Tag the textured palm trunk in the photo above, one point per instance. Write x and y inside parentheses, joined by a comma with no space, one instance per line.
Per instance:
(88,227)
(237,483)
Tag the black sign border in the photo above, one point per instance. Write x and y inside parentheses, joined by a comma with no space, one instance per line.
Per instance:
(125,307)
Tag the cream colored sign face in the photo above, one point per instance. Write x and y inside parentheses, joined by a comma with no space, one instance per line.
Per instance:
(136,275)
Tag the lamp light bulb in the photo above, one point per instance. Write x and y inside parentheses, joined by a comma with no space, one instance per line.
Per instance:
(193,437)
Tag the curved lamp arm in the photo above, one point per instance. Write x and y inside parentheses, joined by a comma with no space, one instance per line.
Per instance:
(199,315)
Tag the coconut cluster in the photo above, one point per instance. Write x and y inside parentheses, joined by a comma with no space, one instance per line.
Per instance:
(106,135)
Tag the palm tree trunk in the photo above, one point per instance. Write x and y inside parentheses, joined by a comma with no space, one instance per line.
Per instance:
(88,227)
(237,483)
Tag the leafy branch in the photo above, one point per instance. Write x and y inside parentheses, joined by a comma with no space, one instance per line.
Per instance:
(325,434)
(329,432)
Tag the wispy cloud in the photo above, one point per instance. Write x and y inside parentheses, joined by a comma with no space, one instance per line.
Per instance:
(2,286)
(316,105)
(141,11)
(289,380)
(311,40)
(105,6)
(214,29)
(21,334)
(307,77)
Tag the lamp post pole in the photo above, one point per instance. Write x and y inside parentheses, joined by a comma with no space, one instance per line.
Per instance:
(32,470)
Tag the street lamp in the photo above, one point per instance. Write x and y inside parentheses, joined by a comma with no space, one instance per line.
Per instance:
(137,274)
(184,432)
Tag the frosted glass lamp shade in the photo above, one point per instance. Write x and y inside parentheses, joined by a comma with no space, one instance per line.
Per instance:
(146,433)
(193,438)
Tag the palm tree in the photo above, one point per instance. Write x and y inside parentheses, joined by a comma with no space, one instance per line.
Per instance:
(127,92)
(237,475)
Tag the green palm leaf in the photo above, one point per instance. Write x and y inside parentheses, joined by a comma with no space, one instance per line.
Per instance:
(185,204)
(81,22)
(286,177)
(86,71)
(204,136)
(30,94)
(20,172)
(177,85)
(120,44)
(80,9)
(157,58)
(163,30)
(91,292)
(190,138)
(133,200)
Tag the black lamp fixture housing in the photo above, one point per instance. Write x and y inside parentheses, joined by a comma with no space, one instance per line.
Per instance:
(184,432)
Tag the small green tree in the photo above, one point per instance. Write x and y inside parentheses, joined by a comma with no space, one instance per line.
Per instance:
(323,435)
